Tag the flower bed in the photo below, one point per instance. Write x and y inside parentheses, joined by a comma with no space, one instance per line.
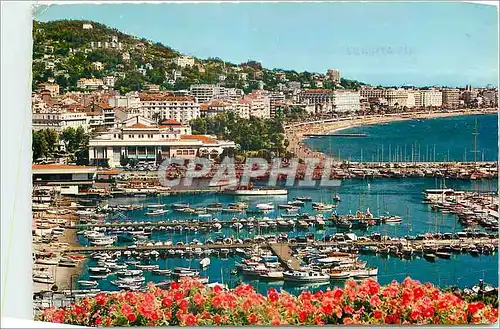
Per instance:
(189,303)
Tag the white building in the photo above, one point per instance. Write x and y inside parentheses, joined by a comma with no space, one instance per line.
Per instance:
(89,83)
(346,101)
(126,56)
(206,92)
(179,108)
(59,120)
(97,66)
(144,140)
(184,61)
(259,103)
(326,100)
(130,100)
(109,80)
(87,26)
(431,98)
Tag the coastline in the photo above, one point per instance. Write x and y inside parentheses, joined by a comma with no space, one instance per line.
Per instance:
(295,132)
(62,275)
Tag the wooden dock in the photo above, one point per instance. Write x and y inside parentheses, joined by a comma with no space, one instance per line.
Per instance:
(284,253)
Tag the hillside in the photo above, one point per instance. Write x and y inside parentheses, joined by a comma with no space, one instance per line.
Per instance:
(65,50)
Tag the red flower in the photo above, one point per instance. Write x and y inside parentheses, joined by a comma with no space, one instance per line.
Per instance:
(78,310)
(252,318)
(377,314)
(415,315)
(217,318)
(126,309)
(327,309)
(58,316)
(318,321)
(348,309)
(302,316)
(183,304)
(275,322)
(178,295)
(100,299)
(198,299)
(272,294)
(98,321)
(337,293)
(174,285)
(428,312)
(375,301)
(131,317)
(217,289)
(190,319)
(305,295)
(418,292)
(216,301)
(166,302)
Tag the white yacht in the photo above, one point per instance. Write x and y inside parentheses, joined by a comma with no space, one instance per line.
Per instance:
(305,276)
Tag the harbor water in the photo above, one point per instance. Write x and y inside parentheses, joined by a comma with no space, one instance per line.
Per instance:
(422,140)
(402,197)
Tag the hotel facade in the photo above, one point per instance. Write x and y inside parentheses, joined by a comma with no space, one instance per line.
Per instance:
(142,139)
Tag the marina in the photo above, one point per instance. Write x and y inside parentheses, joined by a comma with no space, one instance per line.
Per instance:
(158,244)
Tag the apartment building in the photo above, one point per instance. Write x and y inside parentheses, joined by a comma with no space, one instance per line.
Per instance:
(207,92)
(164,106)
(184,61)
(59,120)
(451,97)
(346,101)
(259,104)
(431,98)
(214,107)
(326,100)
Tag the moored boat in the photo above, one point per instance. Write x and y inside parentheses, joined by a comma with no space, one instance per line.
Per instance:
(305,276)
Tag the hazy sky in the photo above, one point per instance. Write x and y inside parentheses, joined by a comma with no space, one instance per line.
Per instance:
(377,43)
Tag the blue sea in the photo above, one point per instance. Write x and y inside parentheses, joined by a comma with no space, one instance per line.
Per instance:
(439,139)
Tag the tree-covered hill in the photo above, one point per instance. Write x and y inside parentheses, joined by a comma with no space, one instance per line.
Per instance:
(63,50)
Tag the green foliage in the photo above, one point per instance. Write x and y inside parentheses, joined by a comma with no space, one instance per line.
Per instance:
(252,134)
(71,44)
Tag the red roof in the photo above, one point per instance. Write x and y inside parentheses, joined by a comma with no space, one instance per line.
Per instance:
(139,125)
(170,122)
(204,139)
(59,166)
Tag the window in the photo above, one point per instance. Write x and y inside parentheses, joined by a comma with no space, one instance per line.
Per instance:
(179,152)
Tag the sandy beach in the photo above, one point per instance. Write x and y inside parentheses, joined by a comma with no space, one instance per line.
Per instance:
(294,133)
(62,275)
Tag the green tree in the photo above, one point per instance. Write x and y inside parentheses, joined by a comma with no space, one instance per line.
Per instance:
(52,137)
(39,145)
(68,137)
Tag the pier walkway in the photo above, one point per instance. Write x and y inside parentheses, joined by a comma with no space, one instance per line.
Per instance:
(284,253)
(282,250)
